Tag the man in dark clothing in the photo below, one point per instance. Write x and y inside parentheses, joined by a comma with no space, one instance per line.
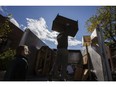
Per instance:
(19,65)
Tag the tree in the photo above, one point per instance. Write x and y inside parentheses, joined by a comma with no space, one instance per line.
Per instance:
(106,18)
(4,30)
(5,27)
(6,54)
(5,58)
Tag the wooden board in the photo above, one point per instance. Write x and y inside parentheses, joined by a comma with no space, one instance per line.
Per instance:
(85,74)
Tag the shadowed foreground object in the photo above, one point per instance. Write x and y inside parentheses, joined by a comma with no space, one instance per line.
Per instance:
(63,24)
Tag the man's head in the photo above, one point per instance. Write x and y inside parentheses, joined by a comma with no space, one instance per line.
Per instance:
(22,50)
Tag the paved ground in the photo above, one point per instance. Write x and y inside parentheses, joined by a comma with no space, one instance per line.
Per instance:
(37,78)
(31,78)
(42,78)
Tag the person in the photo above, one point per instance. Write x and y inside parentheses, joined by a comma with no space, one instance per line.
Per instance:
(62,57)
(18,66)
(70,69)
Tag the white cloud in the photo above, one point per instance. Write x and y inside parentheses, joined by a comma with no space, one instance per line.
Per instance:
(15,22)
(22,27)
(1,9)
(40,29)
(73,41)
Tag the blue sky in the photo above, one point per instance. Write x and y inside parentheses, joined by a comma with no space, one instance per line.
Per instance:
(40,18)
